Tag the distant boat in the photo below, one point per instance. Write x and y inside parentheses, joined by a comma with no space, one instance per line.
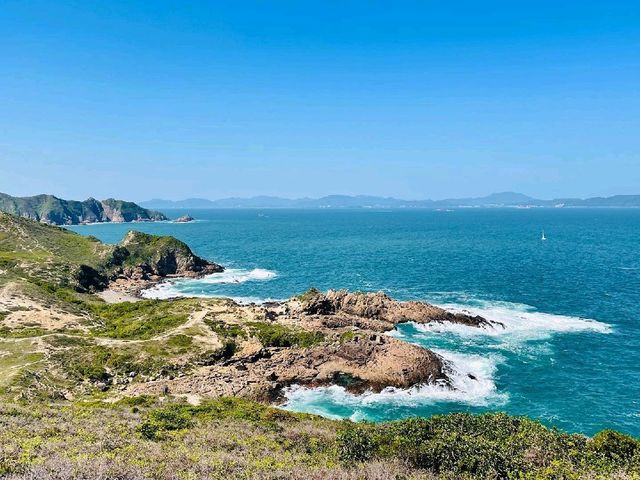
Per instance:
(543,237)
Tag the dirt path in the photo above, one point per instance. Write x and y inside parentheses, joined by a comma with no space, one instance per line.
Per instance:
(195,321)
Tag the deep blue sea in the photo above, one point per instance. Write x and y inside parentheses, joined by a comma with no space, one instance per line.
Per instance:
(570,355)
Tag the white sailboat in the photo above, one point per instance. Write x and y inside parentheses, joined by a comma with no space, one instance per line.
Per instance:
(543,237)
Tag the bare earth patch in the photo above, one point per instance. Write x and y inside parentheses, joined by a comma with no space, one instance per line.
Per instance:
(24,311)
(116,296)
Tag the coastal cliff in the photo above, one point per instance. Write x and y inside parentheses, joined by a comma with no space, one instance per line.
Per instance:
(56,211)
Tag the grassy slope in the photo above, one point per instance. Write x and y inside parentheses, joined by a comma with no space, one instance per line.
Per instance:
(146,437)
(44,435)
(37,264)
(28,246)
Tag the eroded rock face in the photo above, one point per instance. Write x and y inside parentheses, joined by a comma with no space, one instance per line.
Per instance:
(165,256)
(376,311)
(368,362)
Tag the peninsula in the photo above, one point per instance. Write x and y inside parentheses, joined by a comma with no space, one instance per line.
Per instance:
(56,211)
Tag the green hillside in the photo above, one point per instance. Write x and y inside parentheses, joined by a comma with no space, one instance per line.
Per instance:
(56,211)
(46,253)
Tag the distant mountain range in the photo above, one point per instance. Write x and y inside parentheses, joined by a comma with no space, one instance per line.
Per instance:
(56,211)
(496,200)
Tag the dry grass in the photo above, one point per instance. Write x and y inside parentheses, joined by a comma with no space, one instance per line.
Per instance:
(104,443)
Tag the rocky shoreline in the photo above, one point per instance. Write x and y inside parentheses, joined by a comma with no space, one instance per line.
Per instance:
(354,351)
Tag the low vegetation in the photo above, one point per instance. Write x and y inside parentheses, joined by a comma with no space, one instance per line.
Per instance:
(490,446)
(138,320)
(162,438)
(276,335)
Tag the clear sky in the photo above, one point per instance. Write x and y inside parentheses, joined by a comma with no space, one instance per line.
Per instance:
(176,99)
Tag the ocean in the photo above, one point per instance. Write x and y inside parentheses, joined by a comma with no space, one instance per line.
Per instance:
(569,355)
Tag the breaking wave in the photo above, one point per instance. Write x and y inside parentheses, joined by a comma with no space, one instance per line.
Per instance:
(238,275)
(197,287)
(472,383)
(471,355)
(519,320)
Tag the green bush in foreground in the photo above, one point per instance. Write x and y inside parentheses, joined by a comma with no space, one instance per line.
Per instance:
(158,438)
(489,445)
(180,416)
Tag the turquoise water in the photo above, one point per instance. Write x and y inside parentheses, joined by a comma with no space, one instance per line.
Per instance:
(570,355)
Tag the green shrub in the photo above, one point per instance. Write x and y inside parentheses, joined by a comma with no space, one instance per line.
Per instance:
(225,330)
(308,295)
(614,447)
(25,332)
(489,445)
(276,335)
(168,419)
(356,443)
(98,363)
(61,341)
(181,416)
(138,320)
(347,336)
(180,341)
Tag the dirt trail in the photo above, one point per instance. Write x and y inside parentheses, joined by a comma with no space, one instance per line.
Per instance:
(196,319)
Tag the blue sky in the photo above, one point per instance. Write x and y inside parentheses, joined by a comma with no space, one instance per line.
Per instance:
(177,99)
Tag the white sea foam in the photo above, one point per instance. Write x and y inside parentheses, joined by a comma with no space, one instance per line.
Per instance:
(472,383)
(189,287)
(520,321)
(471,376)
(238,275)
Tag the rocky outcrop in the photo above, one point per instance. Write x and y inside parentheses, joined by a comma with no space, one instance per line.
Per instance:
(354,354)
(375,311)
(184,219)
(368,362)
(165,256)
(140,260)
(56,211)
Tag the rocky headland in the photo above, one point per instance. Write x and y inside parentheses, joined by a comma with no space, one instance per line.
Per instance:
(141,260)
(56,211)
(348,347)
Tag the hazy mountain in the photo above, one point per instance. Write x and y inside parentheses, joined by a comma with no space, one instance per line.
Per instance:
(502,199)
(56,211)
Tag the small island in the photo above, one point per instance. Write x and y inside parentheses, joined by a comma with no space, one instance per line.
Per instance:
(184,219)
